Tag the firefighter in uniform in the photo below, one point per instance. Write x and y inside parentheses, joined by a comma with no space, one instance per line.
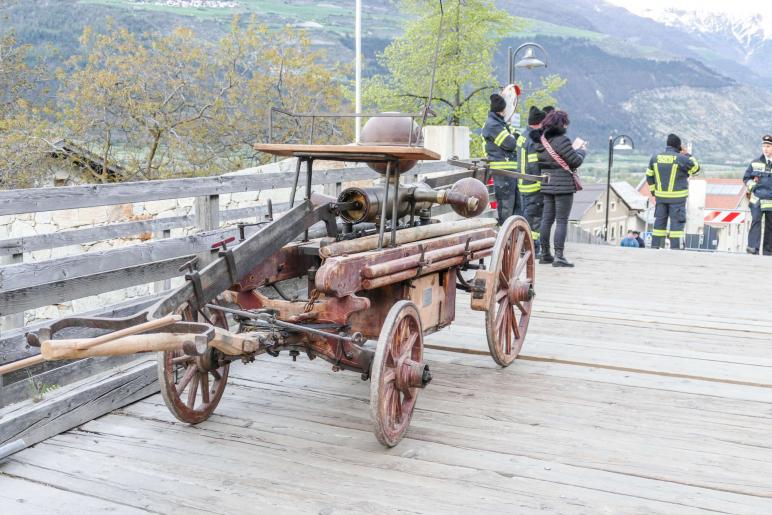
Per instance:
(759,182)
(500,146)
(530,191)
(752,178)
(668,179)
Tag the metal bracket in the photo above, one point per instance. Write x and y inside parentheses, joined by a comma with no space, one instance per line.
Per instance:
(198,290)
(467,252)
(422,259)
(231,262)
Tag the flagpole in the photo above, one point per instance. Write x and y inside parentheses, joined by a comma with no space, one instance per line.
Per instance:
(358,68)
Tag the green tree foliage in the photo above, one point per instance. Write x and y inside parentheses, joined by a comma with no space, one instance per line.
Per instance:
(25,133)
(465,77)
(543,96)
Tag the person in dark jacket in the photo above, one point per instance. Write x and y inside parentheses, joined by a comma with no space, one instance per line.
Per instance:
(500,146)
(751,179)
(559,191)
(641,243)
(668,179)
(530,191)
(762,177)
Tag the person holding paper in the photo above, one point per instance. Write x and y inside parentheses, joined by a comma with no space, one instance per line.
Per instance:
(558,159)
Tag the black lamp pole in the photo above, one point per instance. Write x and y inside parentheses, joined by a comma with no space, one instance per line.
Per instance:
(608,183)
(611,142)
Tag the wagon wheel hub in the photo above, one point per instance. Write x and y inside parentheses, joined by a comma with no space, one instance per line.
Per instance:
(520,291)
(208,361)
(412,374)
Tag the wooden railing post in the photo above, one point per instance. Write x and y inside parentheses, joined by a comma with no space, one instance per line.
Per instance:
(15,320)
(207,213)
(166,284)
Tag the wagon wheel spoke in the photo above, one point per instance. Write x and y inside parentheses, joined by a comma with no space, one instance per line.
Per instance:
(521,307)
(508,330)
(503,280)
(522,263)
(500,313)
(408,351)
(507,258)
(193,391)
(515,324)
(500,295)
(205,388)
(519,245)
(397,403)
(216,374)
(389,376)
(182,359)
(189,373)
(404,339)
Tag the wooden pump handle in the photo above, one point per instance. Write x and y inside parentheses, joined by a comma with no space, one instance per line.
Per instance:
(87,343)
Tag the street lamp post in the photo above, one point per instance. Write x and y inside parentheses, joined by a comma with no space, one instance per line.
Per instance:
(620,142)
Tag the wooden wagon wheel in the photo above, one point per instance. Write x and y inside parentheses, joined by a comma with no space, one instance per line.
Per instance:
(512,290)
(397,373)
(193,385)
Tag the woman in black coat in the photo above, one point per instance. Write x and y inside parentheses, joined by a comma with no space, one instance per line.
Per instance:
(559,191)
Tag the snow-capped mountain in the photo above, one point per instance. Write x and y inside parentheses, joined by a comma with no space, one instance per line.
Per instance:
(744,34)
(749,32)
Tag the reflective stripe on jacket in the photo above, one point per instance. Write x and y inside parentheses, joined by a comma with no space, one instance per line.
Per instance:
(668,175)
(500,142)
(529,163)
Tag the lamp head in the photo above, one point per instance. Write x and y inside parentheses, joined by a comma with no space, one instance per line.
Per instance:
(624,143)
(529,60)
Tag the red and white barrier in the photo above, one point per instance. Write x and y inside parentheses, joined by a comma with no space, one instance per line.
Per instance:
(724,216)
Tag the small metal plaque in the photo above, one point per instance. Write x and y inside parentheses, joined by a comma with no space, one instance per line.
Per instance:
(427,300)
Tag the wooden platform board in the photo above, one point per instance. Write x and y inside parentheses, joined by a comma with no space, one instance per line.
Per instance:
(362,151)
(629,398)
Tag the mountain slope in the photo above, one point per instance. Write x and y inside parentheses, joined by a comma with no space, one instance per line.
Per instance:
(706,77)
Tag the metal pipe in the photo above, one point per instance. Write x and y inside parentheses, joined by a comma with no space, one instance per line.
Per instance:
(295,183)
(382,226)
(608,184)
(268,319)
(357,68)
(309,167)
(394,203)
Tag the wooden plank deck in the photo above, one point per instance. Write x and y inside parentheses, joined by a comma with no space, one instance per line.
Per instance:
(628,398)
